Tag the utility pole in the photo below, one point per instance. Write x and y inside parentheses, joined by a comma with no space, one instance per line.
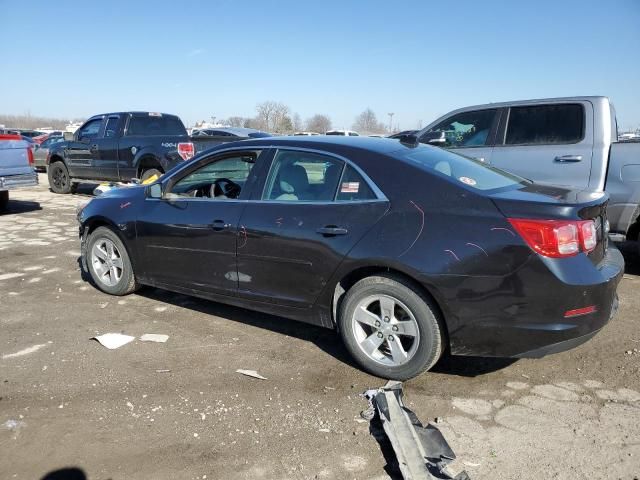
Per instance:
(390,120)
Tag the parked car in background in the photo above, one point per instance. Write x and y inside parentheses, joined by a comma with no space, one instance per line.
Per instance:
(570,142)
(304,134)
(342,133)
(41,138)
(210,137)
(118,147)
(29,133)
(408,250)
(16,166)
(41,151)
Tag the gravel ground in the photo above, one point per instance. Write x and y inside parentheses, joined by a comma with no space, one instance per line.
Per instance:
(178,409)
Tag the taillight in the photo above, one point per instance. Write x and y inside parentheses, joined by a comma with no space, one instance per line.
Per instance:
(30,157)
(186,150)
(557,238)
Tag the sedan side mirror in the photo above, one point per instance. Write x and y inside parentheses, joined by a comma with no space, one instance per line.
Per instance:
(155,190)
(68,136)
(438,138)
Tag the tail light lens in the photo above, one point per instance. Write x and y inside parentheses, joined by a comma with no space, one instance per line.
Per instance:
(186,150)
(557,238)
(30,157)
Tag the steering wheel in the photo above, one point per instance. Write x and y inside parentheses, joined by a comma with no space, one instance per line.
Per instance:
(226,187)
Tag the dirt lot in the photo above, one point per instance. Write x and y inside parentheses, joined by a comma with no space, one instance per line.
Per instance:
(178,410)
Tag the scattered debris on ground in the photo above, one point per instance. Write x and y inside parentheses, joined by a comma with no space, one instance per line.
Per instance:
(113,340)
(417,451)
(154,337)
(251,373)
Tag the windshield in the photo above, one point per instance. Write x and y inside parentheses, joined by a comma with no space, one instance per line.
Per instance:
(464,170)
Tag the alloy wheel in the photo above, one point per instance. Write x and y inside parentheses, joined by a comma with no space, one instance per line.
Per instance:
(107,262)
(385,330)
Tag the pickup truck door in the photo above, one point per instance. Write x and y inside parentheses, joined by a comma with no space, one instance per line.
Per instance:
(548,143)
(104,149)
(470,133)
(78,153)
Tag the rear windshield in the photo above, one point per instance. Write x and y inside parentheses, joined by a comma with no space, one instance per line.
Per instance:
(155,125)
(463,170)
(259,135)
(335,133)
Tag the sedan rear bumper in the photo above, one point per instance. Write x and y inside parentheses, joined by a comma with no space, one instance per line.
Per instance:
(530,321)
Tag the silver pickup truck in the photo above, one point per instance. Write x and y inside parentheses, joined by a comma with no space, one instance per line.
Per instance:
(16,166)
(563,141)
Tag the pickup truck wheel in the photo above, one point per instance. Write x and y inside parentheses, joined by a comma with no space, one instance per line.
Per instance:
(148,173)
(59,180)
(4,200)
(391,329)
(109,263)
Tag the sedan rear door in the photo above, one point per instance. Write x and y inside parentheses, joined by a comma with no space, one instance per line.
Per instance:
(313,209)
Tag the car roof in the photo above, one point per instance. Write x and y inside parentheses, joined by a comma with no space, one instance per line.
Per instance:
(320,142)
(132,113)
(240,131)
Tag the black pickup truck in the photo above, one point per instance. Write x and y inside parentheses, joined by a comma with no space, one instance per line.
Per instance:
(118,147)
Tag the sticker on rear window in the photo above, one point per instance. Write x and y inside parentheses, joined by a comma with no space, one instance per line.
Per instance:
(468,181)
(350,187)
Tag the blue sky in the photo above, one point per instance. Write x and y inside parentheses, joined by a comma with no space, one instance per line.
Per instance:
(416,59)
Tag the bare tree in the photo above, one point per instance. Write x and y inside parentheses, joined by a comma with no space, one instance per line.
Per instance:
(297,122)
(318,123)
(271,116)
(30,121)
(367,122)
(235,121)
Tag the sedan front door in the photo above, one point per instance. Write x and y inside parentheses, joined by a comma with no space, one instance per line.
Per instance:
(187,238)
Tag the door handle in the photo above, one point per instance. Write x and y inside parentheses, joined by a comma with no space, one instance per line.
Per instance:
(332,231)
(94,148)
(568,158)
(219,225)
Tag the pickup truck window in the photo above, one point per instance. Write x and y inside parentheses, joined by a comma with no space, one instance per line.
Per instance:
(111,128)
(467,129)
(155,125)
(90,129)
(545,124)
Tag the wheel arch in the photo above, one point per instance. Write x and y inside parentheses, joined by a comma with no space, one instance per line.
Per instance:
(148,159)
(353,276)
(92,223)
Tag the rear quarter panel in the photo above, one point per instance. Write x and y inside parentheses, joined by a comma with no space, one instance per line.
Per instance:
(623,186)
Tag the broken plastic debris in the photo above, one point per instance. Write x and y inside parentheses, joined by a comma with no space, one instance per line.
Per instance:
(251,373)
(154,337)
(419,451)
(114,340)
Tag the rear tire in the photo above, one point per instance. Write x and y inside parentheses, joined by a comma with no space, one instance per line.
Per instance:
(4,200)
(109,264)
(390,328)
(59,180)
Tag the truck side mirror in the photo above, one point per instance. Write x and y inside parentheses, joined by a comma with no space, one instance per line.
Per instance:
(438,138)
(68,136)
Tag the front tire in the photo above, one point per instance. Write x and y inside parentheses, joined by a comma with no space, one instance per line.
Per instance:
(390,328)
(59,180)
(109,264)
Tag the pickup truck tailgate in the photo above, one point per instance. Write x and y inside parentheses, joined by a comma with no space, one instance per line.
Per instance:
(14,156)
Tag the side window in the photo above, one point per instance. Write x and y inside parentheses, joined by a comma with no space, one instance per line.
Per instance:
(467,129)
(353,187)
(302,177)
(545,124)
(90,129)
(111,128)
(220,179)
